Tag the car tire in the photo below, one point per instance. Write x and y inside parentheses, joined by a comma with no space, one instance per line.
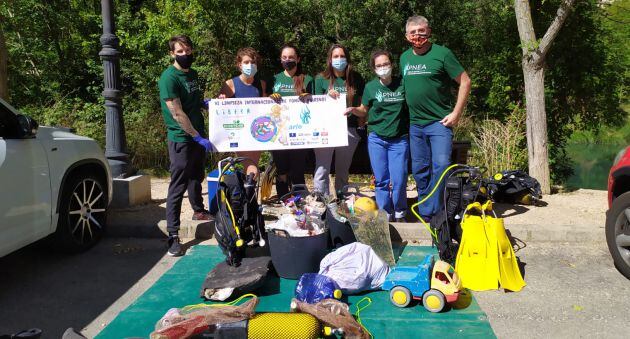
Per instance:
(400,296)
(433,300)
(82,213)
(618,230)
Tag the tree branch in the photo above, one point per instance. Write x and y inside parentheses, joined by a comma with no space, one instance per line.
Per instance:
(525,26)
(554,29)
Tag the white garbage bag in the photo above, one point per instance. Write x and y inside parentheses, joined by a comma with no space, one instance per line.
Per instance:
(354,267)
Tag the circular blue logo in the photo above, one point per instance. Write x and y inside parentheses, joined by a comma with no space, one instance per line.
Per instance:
(263,129)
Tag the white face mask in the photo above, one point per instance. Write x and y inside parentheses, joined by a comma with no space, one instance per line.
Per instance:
(249,70)
(384,72)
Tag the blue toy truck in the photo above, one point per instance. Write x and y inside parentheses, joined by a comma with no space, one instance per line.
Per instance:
(433,282)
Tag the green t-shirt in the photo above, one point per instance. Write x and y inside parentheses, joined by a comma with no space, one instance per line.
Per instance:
(388,116)
(283,84)
(428,81)
(185,86)
(322,85)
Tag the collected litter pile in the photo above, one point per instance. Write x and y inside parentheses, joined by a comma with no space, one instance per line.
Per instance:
(303,215)
(337,247)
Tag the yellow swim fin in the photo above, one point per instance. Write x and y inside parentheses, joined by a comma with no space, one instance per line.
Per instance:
(476,262)
(510,276)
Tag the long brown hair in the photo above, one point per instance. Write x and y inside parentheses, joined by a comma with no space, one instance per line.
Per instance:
(298,77)
(329,73)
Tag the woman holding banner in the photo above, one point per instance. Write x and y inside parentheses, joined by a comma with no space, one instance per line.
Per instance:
(338,78)
(388,135)
(290,164)
(246,85)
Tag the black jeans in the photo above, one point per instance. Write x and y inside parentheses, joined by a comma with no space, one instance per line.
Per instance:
(187,171)
(291,163)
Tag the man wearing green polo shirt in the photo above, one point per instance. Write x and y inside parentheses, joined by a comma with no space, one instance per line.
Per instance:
(181,100)
(429,71)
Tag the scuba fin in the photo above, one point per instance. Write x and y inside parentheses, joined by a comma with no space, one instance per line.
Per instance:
(510,276)
(485,258)
(477,261)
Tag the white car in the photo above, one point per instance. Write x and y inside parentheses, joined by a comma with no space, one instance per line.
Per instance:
(53,183)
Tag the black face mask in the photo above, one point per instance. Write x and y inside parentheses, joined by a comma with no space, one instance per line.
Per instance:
(185,60)
(289,64)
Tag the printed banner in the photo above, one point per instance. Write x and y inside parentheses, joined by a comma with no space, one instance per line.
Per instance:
(257,124)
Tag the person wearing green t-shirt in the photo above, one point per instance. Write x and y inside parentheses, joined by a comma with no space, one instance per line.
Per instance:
(290,164)
(429,72)
(181,100)
(338,78)
(388,128)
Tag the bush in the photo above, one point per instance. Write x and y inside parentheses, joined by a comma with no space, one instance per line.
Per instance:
(86,118)
(500,145)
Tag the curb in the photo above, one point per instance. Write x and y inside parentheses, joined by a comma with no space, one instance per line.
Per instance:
(127,223)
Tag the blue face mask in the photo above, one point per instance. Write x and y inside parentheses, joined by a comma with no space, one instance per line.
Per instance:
(249,70)
(339,64)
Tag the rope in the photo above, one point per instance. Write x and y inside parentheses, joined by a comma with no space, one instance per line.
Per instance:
(358,313)
(414,206)
(188,308)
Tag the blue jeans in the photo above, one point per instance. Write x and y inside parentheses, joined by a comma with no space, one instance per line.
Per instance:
(390,158)
(430,147)
(343,160)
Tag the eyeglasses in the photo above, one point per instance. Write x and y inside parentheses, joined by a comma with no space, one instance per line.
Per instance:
(383,65)
(423,31)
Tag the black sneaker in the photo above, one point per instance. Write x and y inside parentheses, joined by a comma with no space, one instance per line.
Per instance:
(400,219)
(174,246)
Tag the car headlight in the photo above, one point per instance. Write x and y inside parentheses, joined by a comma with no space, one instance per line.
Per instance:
(618,157)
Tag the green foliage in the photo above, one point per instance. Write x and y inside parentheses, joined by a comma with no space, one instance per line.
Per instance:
(56,75)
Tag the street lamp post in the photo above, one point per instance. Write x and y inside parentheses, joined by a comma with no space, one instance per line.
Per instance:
(115,142)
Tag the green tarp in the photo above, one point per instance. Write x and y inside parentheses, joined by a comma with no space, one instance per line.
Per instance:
(180,286)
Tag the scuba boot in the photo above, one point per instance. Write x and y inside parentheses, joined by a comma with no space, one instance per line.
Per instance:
(253,212)
(282,188)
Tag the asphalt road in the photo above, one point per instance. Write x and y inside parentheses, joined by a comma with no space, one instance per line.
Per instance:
(573,290)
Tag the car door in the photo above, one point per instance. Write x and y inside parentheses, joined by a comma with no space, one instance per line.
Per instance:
(25,198)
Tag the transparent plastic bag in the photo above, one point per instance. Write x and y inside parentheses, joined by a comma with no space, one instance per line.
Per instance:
(373,229)
(333,313)
(186,321)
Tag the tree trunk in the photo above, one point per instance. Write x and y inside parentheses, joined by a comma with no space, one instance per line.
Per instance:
(534,53)
(536,122)
(4,57)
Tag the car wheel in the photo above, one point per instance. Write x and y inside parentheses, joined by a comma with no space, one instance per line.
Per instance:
(618,233)
(82,213)
(433,301)
(400,296)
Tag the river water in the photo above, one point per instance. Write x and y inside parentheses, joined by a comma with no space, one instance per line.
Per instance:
(592,163)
